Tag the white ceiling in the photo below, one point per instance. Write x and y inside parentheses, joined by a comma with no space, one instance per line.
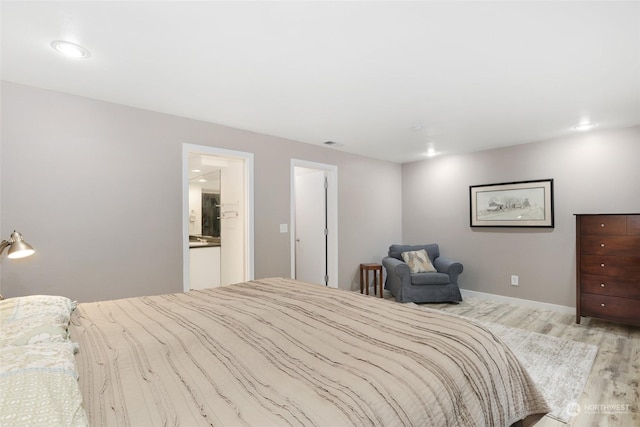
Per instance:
(470,75)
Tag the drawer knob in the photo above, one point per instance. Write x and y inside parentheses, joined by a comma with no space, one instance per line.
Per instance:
(602,265)
(602,225)
(602,245)
(602,285)
(602,305)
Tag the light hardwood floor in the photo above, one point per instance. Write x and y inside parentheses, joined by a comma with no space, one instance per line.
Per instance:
(611,396)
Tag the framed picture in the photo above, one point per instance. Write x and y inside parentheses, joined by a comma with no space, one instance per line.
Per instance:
(512,204)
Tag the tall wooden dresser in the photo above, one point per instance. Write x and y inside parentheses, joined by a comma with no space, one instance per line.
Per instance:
(608,267)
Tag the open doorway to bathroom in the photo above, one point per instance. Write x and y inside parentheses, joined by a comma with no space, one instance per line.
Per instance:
(217,217)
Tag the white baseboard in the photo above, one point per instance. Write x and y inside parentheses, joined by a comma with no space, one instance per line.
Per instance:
(519,301)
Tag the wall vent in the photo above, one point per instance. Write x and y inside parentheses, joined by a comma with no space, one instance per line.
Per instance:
(333,144)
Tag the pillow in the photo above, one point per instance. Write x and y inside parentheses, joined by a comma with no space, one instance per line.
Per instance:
(37,308)
(38,375)
(418,261)
(37,335)
(39,386)
(35,318)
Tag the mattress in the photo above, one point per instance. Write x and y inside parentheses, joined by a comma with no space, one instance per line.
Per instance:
(278,352)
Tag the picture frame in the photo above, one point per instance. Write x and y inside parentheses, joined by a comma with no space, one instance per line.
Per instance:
(512,204)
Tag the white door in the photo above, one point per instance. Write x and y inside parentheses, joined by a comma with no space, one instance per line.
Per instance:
(310,225)
(232,222)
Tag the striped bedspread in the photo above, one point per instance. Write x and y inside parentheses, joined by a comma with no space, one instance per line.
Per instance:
(277,352)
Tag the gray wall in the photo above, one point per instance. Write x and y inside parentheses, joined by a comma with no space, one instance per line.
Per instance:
(96,188)
(595,172)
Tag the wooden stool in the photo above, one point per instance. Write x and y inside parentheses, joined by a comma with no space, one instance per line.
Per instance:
(377,272)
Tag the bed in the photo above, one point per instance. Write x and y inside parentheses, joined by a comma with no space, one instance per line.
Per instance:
(278,352)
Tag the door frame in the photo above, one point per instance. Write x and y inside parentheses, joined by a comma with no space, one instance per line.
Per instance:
(332,217)
(249,222)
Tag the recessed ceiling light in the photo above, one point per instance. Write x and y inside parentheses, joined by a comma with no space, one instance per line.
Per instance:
(202,180)
(196,170)
(69,49)
(585,126)
(431,149)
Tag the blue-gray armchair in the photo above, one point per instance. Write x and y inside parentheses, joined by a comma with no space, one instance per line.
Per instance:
(438,286)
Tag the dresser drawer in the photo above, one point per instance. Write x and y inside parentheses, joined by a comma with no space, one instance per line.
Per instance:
(613,286)
(620,266)
(613,225)
(610,308)
(610,245)
(633,225)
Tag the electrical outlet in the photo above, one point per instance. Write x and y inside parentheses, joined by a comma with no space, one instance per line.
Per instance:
(514,280)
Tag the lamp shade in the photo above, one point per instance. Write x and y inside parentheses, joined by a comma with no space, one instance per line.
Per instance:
(18,248)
